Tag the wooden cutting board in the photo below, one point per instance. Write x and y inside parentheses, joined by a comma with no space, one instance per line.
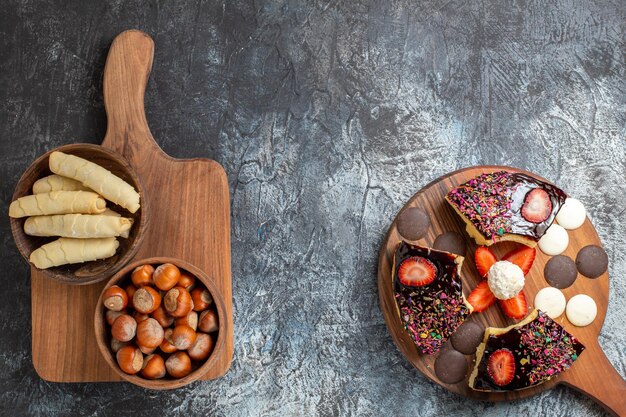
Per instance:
(591,374)
(189,219)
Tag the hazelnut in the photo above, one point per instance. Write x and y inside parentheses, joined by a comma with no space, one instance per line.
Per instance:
(130,291)
(117,345)
(207,322)
(166,345)
(160,315)
(115,298)
(146,351)
(111,315)
(130,359)
(190,320)
(153,367)
(178,365)
(149,334)
(186,280)
(146,300)
(177,302)
(183,337)
(201,298)
(166,276)
(139,317)
(124,328)
(142,275)
(202,348)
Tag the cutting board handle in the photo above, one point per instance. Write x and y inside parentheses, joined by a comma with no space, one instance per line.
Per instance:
(599,380)
(126,74)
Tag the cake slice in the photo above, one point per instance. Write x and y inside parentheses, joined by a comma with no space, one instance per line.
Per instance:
(505,205)
(429,294)
(523,355)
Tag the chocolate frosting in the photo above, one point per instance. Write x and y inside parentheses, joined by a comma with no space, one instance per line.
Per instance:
(493,203)
(542,349)
(430,313)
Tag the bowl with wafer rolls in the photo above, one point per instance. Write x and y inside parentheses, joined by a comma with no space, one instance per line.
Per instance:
(78,213)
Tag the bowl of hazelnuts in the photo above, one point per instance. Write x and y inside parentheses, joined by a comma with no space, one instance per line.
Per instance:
(159,323)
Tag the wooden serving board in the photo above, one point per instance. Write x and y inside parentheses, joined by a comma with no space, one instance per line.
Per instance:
(189,219)
(591,374)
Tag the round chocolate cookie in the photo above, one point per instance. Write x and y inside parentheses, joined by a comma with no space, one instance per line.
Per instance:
(592,261)
(413,223)
(451,242)
(467,337)
(451,366)
(560,271)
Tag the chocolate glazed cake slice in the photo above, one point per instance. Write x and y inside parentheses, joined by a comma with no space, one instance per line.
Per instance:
(505,205)
(429,294)
(523,355)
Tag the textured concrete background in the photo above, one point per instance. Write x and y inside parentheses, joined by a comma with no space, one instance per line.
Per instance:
(328,116)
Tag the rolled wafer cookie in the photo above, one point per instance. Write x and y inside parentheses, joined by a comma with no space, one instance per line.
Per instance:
(108,212)
(99,179)
(57,202)
(78,226)
(71,251)
(57,183)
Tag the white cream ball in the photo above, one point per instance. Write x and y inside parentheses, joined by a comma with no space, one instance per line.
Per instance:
(505,279)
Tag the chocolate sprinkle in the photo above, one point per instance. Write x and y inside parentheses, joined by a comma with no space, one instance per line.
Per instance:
(560,271)
(493,202)
(592,261)
(413,223)
(430,313)
(542,349)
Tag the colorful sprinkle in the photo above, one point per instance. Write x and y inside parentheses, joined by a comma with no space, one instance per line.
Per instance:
(542,349)
(492,202)
(485,200)
(433,312)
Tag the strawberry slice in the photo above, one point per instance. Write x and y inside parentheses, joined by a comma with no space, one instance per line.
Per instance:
(416,272)
(484,259)
(522,257)
(501,367)
(516,307)
(537,206)
(481,297)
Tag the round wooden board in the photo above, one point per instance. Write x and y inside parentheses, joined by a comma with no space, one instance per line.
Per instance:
(592,373)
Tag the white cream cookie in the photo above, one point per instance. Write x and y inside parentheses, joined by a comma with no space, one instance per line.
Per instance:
(551,301)
(581,310)
(572,214)
(554,241)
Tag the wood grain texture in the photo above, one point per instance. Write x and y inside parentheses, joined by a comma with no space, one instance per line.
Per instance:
(592,373)
(190,220)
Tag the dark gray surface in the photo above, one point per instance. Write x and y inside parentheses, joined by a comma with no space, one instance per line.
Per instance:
(327,116)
